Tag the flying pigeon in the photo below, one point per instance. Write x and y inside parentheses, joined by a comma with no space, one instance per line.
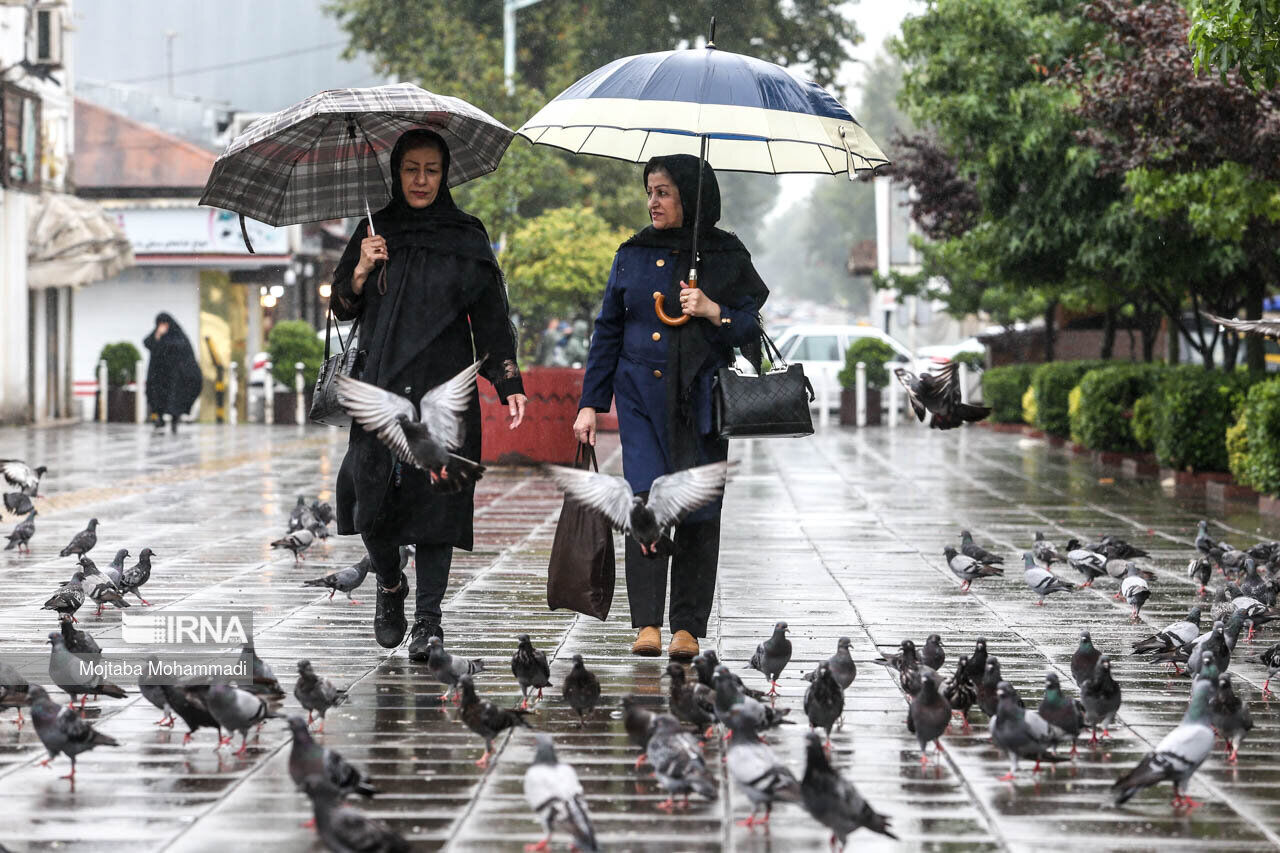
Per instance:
(238,710)
(82,542)
(841,665)
(938,393)
(530,667)
(1100,695)
(933,655)
(1173,636)
(1230,716)
(135,576)
(772,656)
(22,476)
(1178,754)
(485,718)
(316,694)
(1040,581)
(343,828)
(17,503)
(928,717)
(1020,733)
(967,568)
(21,535)
(308,758)
(297,542)
(65,671)
(1088,563)
(14,690)
(1135,591)
(960,691)
(677,762)
(555,795)
(581,689)
(345,580)
(424,435)
(1085,659)
(1045,551)
(448,669)
(832,800)
(646,519)
(977,552)
(63,731)
(824,701)
(1065,716)
(1200,569)
(67,600)
(756,770)
(191,704)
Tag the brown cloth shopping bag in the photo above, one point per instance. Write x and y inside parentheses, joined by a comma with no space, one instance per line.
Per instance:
(582,572)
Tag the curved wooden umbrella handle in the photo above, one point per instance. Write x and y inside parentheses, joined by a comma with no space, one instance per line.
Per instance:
(659,298)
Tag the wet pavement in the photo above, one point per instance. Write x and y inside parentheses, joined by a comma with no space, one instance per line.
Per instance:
(838,534)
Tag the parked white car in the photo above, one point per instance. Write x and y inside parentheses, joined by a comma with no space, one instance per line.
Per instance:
(821,349)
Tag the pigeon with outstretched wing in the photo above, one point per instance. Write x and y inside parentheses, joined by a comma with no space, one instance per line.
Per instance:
(938,393)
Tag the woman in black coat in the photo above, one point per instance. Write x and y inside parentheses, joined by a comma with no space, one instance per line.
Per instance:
(660,377)
(174,379)
(430,299)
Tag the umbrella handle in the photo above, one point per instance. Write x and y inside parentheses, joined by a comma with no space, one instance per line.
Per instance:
(658,299)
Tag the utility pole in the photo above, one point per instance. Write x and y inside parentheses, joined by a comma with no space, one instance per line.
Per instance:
(169,36)
(509,9)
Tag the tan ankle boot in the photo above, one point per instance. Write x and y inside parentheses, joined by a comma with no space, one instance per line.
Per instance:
(648,642)
(684,646)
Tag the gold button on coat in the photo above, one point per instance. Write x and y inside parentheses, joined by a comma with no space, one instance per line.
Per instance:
(658,374)
(657,336)
(661,262)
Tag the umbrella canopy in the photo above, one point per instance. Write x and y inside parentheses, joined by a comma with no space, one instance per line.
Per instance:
(73,241)
(329,156)
(754,115)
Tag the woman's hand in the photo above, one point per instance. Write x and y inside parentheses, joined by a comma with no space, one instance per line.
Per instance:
(161,328)
(517,402)
(372,250)
(695,303)
(584,428)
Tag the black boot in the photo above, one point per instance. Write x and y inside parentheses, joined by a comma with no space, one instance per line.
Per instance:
(423,630)
(389,623)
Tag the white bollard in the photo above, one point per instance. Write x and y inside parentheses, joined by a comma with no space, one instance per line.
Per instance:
(894,403)
(102,391)
(962,374)
(824,399)
(233,393)
(860,392)
(268,397)
(140,392)
(299,401)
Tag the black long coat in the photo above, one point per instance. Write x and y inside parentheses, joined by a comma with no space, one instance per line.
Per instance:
(174,379)
(445,305)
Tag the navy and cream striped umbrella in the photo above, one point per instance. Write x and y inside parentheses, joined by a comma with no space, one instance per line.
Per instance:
(329,156)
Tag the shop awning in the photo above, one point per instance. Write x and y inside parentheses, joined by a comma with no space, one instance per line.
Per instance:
(73,241)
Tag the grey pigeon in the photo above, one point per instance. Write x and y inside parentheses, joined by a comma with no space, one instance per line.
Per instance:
(988,701)
(296,542)
(530,667)
(1040,581)
(20,536)
(103,592)
(78,642)
(308,758)
(297,517)
(843,669)
(1201,570)
(933,655)
(1172,636)
(238,710)
(554,793)
(485,718)
(581,689)
(1044,551)
(1084,659)
(21,476)
(263,681)
(191,704)
(938,393)
(1178,754)
(707,661)
(137,575)
(646,519)
(970,549)
(967,568)
(14,690)
(1088,563)
(16,503)
(63,731)
(342,829)
(1116,548)
(448,669)
(1135,591)
(1230,716)
(65,671)
(323,510)
(1204,542)
(637,722)
(316,694)
(82,542)
(1020,732)
(151,686)
(832,800)
(824,701)
(928,717)
(688,703)
(115,571)
(772,656)
(67,600)
(756,770)
(907,657)
(728,695)
(1271,660)
(1101,696)
(677,762)
(345,580)
(1066,716)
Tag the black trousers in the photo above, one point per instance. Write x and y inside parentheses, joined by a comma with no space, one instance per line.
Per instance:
(693,579)
(432,563)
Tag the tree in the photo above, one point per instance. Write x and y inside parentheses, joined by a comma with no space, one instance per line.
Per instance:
(1234,35)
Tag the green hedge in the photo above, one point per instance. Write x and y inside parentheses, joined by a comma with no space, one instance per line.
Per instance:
(1238,447)
(1107,397)
(1257,452)
(872,352)
(1144,421)
(290,342)
(1053,382)
(1193,409)
(1002,390)
(121,359)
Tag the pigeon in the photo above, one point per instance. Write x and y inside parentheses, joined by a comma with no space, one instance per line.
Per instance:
(22,476)
(1204,542)
(1045,551)
(1230,560)
(297,518)
(967,568)
(1271,660)
(906,658)
(135,576)
(485,718)
(1065,716)
(988,701)
(706,663)
(581,689)
(1100,695)
(14,690)
(104,593)
(1177,756)
(78,642)
(82,542)
(424,435)
(1121,569)
(772,656)
(448,669)
(728,696)
(297,542)
(1252,583)
(1135,591)
(63,731)
(530,667)
(115,571)
(928,717)
(841,665)
(554,793)
(1200,570)
(638,724)
(191,703)
(151,686)
(238,710)
(345,580)
(1115,548)
(323,510)
(938,393)
(67,600)
(92,574)
(1173,636)
(1084,659)
(1088,563)
(977,552)
(316,694)
(977,660)
(65,671)
(832,800)
(308,758)
(933,655)
(263,680)
(1214,642)
(649,519)
(960,691)
(689,703)
(1040,581)
(20,536)
(677,762)
(1021,733)
(824,701)
(17,503)
(1230,716)
(341,828)
(756,770)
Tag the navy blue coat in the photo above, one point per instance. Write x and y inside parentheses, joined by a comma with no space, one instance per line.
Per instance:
(629,354)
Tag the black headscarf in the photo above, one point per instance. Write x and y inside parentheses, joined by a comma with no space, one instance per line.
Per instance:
(725,274)
(174,379)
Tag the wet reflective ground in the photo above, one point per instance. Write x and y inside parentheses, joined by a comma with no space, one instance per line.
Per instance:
(839,534)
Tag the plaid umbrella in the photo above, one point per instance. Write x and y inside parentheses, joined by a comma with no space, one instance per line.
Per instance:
(329,156)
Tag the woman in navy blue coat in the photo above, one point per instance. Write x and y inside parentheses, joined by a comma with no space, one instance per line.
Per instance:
(660,377)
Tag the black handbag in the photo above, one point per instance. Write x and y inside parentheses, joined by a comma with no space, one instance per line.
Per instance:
(325,408)
(772,405)
(582,572)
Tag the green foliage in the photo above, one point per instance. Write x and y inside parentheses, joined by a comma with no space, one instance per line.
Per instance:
(1238,446)
(1029,405)
(1107,398)
(290,342)
(1241,35)
(1053,383)
(1260,444)
(1002,390)
(1073,411)
(121,359)
(873,352)
(1193,408)
(1144,422)
(975,361)
(1220,202)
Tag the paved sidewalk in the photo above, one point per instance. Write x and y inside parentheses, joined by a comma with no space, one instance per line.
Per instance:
(839,534)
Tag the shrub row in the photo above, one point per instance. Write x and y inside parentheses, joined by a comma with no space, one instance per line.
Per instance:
(1002,390)
(1053,383)
(1253,442)
(1193,408)
(1104,419)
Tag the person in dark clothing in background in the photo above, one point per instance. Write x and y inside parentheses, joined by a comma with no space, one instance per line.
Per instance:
(174,379)
(431,299)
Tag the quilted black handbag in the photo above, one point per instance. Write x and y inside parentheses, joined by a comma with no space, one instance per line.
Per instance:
(772,405)
(324,401)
